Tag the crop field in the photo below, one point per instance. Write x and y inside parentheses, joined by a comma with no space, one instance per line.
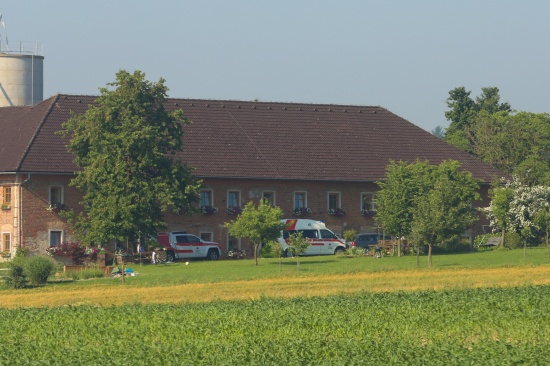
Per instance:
(479,309)
(481,326)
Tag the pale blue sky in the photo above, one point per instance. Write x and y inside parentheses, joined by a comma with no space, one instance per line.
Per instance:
(402,55)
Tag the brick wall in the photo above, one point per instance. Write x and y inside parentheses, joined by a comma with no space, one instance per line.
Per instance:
(37,221)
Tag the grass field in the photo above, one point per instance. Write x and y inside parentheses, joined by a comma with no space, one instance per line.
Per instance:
(203,281)
(480,308)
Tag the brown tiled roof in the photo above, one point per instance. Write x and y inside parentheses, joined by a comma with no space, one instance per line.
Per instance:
(264,140)
(18,126)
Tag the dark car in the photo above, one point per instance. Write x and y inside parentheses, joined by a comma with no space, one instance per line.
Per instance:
(368,240)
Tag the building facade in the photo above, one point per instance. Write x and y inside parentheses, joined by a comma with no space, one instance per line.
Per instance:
(319,161)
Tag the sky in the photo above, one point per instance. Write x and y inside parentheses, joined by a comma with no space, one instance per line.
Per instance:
(404,55)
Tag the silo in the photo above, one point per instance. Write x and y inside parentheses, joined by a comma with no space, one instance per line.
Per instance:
(21,77)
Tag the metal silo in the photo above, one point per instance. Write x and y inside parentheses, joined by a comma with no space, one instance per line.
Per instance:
(21,75)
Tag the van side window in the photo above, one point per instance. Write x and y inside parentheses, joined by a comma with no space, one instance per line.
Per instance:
(310,234)
(327,234)
(306,234)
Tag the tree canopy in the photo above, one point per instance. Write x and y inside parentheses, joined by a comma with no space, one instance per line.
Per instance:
(464,109)
(516,142)
(125,145)
(520,208)
(261,224)
(430,205)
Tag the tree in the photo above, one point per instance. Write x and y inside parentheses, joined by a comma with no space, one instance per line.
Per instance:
(439,132)
(497,212)
(125,146)
(446,211)
(463,110)
(297,245)
(261,224)
(524,208)
(517,143)
(396,199)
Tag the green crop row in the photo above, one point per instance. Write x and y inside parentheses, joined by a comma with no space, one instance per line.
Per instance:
(463,327)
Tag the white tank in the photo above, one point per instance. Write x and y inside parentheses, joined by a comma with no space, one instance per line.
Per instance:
(21,79)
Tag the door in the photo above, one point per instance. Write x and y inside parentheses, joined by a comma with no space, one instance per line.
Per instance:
(183,248)
(330,242)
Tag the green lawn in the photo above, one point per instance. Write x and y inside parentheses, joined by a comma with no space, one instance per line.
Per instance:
(203,271)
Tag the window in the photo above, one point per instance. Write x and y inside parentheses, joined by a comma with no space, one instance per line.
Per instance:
(55,237)
(206,236)
(334,200)
(269,197)
(56,195)
(206,198)
(306,234)
(233,199)
(367,201)
(7,196)
(300,200)
(233,243)
(6,242)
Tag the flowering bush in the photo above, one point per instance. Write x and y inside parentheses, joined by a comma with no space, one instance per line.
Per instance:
(234,210)
(301,211)
(368,213)
(75,251)
(338,212)
(56,207)
(208,210)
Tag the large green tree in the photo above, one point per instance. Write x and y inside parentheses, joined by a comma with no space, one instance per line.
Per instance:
(517,143)
(463,110)
(430,205)
(125,146)
(260,224)
(396,199)
(446,211)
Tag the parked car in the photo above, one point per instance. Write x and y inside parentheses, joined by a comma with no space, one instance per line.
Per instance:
(368,240)
(180,245)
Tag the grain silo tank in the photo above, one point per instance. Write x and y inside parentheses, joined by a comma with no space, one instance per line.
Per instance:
(21,76)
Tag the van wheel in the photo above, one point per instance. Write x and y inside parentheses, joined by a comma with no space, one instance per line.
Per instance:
(213,254)
(288,253)
(339,250)
(170,257)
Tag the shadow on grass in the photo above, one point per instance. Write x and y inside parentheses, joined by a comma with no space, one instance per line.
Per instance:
(292,262)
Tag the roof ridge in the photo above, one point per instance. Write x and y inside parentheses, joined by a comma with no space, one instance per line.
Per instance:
(54,100)
(206,100)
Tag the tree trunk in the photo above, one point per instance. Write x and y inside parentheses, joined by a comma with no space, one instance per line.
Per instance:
(525,248)
(399,247)
(256,253)
(547,246)
(502,239)
(429,255)
(417,256)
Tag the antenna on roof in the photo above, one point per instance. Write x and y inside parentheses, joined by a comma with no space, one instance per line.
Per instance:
(5,34)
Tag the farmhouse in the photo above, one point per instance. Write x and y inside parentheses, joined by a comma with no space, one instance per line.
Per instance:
(314,157)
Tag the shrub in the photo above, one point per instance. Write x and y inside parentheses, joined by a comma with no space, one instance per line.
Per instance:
(349,235)
(87,273)
(355,251)
(513,240)
(16,275)
(271,250)
(38,269)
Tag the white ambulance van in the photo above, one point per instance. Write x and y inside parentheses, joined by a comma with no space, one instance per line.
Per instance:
(323,241)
